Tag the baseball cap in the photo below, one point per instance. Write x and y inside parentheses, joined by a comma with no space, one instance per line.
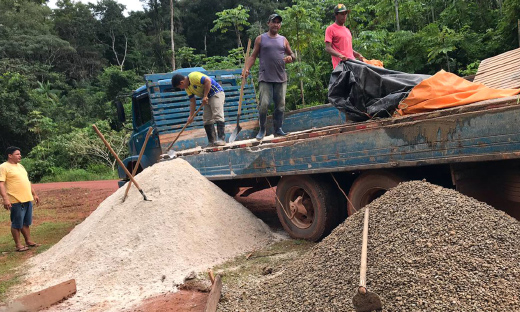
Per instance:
(340,8)
(273,16)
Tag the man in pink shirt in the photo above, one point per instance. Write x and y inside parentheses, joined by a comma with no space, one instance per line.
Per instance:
(338,39)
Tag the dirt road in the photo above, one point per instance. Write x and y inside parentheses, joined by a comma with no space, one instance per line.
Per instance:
(107,185)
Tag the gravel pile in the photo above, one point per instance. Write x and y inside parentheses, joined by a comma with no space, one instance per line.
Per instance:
(429,249)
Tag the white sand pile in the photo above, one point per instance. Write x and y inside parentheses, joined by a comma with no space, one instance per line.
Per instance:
(124,252)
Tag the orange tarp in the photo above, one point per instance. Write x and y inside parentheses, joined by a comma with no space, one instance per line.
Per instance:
(377,63)
(445,90)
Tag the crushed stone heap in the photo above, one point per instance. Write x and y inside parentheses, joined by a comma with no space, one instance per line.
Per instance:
(429,249)
(124,252)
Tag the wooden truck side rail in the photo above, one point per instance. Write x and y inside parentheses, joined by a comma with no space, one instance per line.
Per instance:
(486,130)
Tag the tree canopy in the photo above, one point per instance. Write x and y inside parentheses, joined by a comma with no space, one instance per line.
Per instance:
(61,69)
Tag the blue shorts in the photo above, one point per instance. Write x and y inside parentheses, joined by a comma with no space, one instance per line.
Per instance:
(21,215)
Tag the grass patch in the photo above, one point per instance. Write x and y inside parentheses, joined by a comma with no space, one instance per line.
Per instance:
(251,266)
(49,233)
(73,175)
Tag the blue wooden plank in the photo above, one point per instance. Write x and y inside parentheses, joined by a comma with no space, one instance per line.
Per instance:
(161,102)
(172,119)
(231,90)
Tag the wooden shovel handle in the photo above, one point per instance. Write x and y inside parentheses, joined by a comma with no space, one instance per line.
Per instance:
(116,157)
(363,266)
(182,130)
(136,166)
(243,81)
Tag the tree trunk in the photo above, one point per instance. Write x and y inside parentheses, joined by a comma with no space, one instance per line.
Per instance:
(171,32)
(119,63)
(237,31)
(396,4)
(205,46)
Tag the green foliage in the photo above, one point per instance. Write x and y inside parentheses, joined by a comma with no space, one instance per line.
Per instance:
(80,148)
(235,19)
(234,59)
(17,100)
(61,69)
(471,69)
(41,125)
(186,57)
(71,175)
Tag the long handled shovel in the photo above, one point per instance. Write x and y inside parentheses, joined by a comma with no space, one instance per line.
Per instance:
(136,166)
(170,152)
(364,300)
(235,132)
(119,161)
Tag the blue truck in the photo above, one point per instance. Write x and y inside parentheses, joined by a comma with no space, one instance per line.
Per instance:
(474,148)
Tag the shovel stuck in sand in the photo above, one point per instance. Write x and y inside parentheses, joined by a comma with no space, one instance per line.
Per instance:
(130,176)
(364,300)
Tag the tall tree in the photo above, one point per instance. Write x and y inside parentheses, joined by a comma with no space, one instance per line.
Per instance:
(235,19)
(113,29)
(172,35)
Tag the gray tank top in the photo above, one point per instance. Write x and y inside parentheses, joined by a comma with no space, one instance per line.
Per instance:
(272,52)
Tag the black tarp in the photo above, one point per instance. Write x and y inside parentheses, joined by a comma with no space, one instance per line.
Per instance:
(364,91)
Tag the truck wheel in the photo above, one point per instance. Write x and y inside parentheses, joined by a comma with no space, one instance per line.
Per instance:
(369,186)
(307,209)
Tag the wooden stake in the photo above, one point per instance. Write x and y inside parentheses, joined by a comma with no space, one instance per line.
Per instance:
(45,298)
(214,295)
(211,276)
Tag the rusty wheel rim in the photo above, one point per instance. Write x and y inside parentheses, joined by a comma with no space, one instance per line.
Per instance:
(299,208)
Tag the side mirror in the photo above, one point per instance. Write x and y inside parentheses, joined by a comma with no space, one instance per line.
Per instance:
(120,111)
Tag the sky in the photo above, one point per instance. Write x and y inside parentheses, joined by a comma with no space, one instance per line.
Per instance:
(131,5)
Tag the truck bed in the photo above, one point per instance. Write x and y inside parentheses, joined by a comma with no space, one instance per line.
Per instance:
(483,131)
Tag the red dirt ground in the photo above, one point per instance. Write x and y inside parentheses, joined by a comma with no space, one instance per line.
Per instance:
(81,198)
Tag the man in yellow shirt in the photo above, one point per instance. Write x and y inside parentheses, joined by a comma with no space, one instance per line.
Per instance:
(213,97)
(17,194)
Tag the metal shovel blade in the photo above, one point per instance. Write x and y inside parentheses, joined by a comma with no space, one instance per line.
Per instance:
(367,302)
(234,134)
(172,154)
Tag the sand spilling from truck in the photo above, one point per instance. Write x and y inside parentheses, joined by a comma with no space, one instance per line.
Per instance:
(124,252)
(429,249)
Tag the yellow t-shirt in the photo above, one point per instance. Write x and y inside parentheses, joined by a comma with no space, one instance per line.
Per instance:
(16,183)
(196,86)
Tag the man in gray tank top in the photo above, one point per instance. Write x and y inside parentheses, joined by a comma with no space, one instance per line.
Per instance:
(274,52)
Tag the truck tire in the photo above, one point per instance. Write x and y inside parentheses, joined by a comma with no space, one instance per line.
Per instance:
(369,186)
(308,207)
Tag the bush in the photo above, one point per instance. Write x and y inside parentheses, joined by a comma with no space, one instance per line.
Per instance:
(73,175)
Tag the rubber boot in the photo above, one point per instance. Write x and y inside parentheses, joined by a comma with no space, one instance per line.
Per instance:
(277,124)
(210,132)
(261,131)
(221,130)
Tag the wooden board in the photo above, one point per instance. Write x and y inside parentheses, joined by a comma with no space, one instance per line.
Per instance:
(501,71)
(44,298)
(214,295)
